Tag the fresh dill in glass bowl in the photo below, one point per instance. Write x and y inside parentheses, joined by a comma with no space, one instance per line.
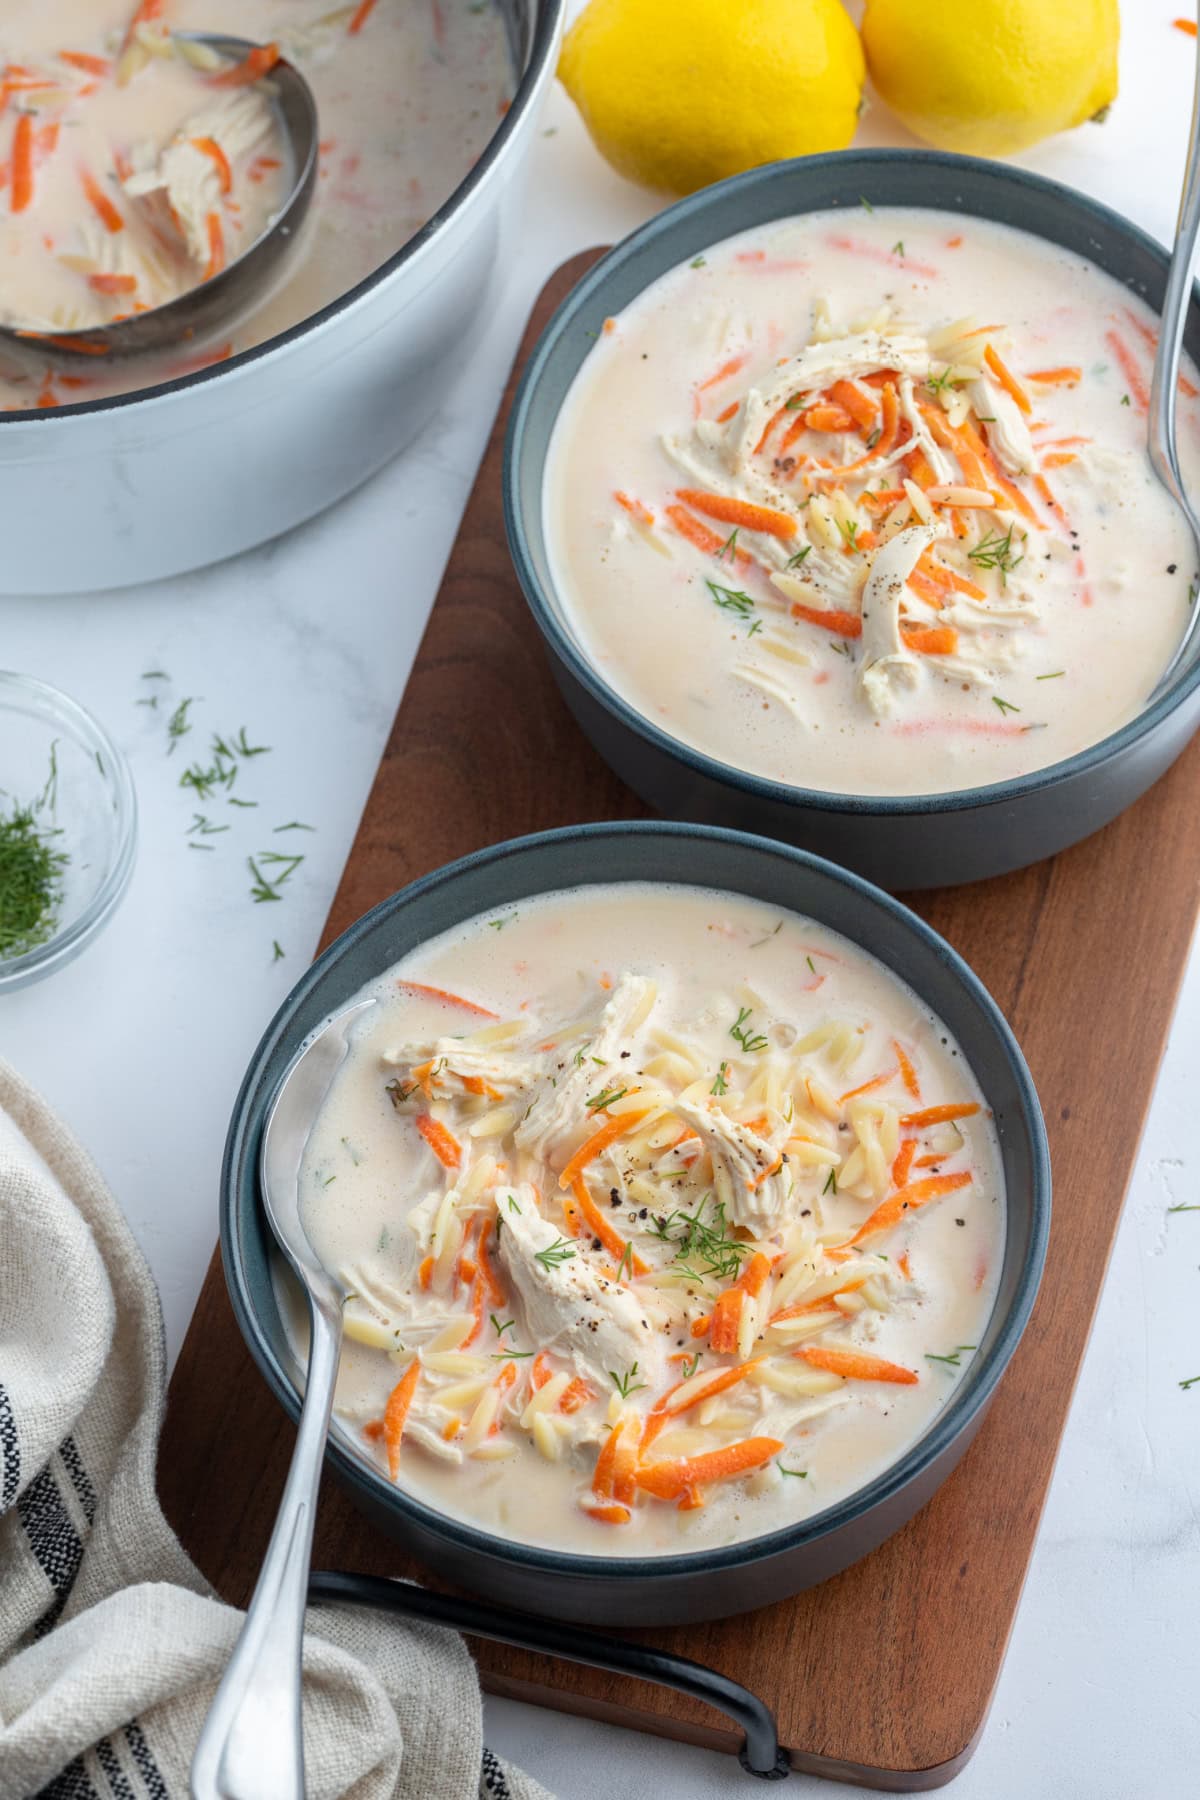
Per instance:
(68,829)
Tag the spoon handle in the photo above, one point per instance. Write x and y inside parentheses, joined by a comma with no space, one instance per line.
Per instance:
(251,1746)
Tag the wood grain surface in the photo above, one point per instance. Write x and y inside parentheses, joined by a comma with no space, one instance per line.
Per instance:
(886,1672)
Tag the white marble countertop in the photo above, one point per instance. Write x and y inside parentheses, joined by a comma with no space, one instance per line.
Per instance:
(141,1043)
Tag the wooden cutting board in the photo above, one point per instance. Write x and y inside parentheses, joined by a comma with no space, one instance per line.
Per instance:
(884,1674)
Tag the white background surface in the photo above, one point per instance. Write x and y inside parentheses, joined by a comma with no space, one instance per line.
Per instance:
(142,1042)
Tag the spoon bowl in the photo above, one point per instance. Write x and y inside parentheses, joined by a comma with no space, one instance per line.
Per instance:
(250,1747)
(217,303)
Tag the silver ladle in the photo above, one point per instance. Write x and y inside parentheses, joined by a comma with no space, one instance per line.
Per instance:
(1164,386)
(204,309)
(250,1747)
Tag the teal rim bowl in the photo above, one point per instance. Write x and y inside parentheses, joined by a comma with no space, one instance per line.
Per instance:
(900,840)
(715,1580)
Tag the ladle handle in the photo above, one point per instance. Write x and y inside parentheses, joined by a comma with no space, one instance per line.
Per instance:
(1165,384)
(251,1746)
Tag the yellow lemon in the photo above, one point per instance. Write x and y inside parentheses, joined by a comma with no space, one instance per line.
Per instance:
(678,93)
(991,77)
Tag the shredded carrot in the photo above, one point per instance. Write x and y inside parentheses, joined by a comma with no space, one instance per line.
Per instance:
(863,409)
(634,507)
(776,418)
(21,192)
(541,1371)
(888,435)
(1007,379)
(919,469)
(1187,26)
(949,579)
(904,1266)
(1150,337)
(841,624)
(113,284)
(701,1326)
(856,1364)
(740,512)
(939,1115)
(259,62)
(668,1480)
(883,499)
(478,1295)
(449,999)
(216,246)
(669,1406)
(1059,459)
(723,418)
(826,417)
(868,1087)
(576,1394)
(475,1084)
(609,1514)
(908,1073)
(599,1226)
(444,1145)
(931,1161)
(727,1313)
(903,1162)
(908,1199)
(609,1132)
(603,1475)
(491,1280)
(373,1430)
(1067,376)
(395,1413)
(1139,393)
(697,533)
(930,640)
(724,373)
(91,65)
(210,147)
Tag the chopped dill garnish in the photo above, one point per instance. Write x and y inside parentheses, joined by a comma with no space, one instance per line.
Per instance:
(757,626)
(732,599)
(398,1093)
(721,1084)
(155,675)
(938,384)
(995,551)
(1125,400)
(262,889)
(277,950)
(295,825)
(1183,1206)
(849,530)
(830,1183)
(689,1365)
(234,801)
(1053,675)
(514,1204)
(865,203)
(700,1241)
(560,1251)
(178,725)
(840,646)
(499,924)
(793,562)
(204,826)
(31,871)
(741,1033)
(605,1098)
(577,1059)
(697,262)
(626,1384)
(729,547)
(1190,1382)
(498,1328)
(625,1266)
(774,932)
(898,248)
(800,1474)
(811,964)
(873,437)
(952,1356)
(1005,706)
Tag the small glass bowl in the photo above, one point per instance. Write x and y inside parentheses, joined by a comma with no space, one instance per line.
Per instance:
(55,756)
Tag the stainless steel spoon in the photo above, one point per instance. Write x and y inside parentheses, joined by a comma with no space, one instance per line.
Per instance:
(224,297)
(1164,386)
(251,1746)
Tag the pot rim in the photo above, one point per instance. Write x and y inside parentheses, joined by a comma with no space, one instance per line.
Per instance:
(960,1412)
(545,32)
(582,306)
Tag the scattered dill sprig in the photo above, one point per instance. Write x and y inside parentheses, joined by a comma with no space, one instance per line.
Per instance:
(178,725)
(793,562)
(732,599)
(605,1098)
(729,547)
(995,551)
(1005,706)
(703,1246)
(560,1251)
(952,1356)
(721,1084)
(741,1033)
(626,1384)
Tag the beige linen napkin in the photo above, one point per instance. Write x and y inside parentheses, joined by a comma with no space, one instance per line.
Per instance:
(111,1643)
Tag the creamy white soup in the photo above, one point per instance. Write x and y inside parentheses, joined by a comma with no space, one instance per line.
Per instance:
(134,165)
(668,1218)
(861,502)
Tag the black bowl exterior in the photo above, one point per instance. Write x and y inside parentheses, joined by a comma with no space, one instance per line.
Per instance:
(900,841)
(721,1580)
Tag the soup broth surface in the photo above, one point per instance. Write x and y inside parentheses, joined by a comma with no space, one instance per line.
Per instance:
(669,1219)
(860,502)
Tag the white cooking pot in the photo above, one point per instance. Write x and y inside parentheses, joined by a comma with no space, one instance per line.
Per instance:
(149,484)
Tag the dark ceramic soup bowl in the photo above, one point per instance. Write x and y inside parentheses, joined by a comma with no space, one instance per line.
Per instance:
(901,841)
(715,1581)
